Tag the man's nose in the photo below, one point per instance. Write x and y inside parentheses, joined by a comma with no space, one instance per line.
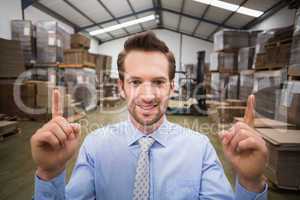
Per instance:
(147,92)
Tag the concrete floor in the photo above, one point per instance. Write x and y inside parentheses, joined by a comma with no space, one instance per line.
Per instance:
(17,168)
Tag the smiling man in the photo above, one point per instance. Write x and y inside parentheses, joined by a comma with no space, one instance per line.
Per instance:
(146,157)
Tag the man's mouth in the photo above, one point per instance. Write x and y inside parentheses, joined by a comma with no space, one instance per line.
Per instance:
(147,107)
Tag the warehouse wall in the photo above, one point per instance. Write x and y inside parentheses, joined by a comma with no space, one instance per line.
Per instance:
(94,45)
(190,46)
(9,10)
(284,17)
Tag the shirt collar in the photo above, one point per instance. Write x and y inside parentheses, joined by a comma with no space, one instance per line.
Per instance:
(160,135)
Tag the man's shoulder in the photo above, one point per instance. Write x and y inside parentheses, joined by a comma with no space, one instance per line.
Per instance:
(106,132)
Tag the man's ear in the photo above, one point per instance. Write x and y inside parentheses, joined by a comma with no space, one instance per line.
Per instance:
(172,86)
(121,88)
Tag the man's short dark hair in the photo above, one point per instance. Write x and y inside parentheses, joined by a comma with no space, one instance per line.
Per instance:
(146,41)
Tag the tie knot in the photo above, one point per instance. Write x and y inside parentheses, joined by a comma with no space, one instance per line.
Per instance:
(145,143)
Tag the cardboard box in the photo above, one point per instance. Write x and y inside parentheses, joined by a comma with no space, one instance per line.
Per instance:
(230,39)
(246,84)
(289,104)
(233,87)
(50,42)
(78,57)
(11,59)
(266,87)
(223,62)
(16,98)
(294,62)
(283,167)
(228,113)
(24,31)
(246,58)
(79,41)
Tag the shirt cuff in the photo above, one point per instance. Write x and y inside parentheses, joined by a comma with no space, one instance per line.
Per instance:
(52,189)
(243,193)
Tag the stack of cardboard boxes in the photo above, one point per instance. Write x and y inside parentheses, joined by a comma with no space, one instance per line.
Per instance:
(50,42)
(11,59)
(78,54)
(24,31)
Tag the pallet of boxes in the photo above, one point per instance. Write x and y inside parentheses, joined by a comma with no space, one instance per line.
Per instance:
(78,72)
(224,73)
(12,103)
(277,91)
(107,88)
(51,41)
(284,144)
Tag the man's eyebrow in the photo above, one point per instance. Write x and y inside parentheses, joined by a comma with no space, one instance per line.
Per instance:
(133,77)
(160,78)
(156,78)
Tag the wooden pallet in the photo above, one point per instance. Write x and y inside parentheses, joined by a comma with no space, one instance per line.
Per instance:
(267,123)
(88,65)
(279,43)
(294,71)
(270,67)
(8,128)
(46,65)
(4,136)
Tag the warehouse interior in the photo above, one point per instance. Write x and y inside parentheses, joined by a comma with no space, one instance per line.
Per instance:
(224,51)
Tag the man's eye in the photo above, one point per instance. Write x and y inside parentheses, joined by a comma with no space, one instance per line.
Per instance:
(135,82)
(158,83)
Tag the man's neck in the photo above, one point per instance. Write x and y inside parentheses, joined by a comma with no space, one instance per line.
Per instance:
(147,130)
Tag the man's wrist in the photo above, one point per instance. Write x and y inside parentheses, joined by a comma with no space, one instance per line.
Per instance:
(253,185)
(47,175)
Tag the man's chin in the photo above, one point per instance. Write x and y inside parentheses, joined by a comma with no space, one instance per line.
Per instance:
(148,120)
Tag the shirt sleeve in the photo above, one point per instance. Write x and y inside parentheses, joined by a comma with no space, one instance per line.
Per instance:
(53,189)
(81,185)
(242,193)
(215,185)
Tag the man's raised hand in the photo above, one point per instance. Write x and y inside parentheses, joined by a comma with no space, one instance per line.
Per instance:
(55,143)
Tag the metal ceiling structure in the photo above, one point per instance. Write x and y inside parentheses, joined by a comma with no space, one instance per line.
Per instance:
(186,17)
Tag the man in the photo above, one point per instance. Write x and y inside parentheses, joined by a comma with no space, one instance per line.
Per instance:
(146,157)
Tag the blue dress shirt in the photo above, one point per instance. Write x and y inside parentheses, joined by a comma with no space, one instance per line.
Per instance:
(183,166)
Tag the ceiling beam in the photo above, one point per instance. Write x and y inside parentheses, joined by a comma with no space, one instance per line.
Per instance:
(157,10)
(84,15)
(118,18)
(180,17)
(123,36)
(53,14)
(26,3)
(268,13)
(187,34)
(161,20)
(166,28)
(111,14)
(227,18)
(202,16)
(136,16)
(197,18)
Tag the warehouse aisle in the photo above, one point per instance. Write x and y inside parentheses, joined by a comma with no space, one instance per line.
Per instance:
(17,168)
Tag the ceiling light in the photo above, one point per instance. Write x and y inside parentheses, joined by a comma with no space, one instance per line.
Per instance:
(232,7)
(250,12)
(123,25)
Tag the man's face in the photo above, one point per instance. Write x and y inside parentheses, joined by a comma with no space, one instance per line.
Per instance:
(146,86)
